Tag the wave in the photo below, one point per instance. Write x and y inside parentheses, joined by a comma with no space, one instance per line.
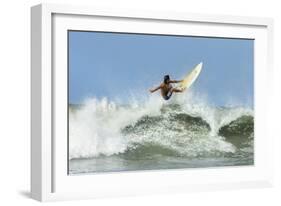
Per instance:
(185,126)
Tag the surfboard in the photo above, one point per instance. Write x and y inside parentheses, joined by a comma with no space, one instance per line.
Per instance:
(190,78)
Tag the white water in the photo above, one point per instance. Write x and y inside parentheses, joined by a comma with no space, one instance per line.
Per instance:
(95,129)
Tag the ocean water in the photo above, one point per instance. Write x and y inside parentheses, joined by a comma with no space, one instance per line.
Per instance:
(153,134)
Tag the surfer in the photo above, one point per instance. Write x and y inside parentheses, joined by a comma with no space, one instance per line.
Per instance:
(166,88)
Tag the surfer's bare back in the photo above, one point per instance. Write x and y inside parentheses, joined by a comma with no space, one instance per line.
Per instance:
(166,88)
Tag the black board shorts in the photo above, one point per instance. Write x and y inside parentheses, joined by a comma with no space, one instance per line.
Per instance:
(168,96)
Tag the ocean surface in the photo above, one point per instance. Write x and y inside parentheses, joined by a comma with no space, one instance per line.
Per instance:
(153,134)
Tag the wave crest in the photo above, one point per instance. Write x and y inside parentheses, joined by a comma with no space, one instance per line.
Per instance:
(185,126)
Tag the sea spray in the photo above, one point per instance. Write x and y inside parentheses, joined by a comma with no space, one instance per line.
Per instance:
(185,126)
(95,128)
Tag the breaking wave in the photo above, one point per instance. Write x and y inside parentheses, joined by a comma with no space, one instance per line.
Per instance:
(185,126)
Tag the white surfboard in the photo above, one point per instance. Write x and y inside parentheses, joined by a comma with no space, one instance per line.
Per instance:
(190,78)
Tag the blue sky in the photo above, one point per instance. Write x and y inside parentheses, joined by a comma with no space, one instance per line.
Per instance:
(114,65)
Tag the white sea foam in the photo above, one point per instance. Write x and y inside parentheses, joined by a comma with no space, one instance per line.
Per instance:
(95,128)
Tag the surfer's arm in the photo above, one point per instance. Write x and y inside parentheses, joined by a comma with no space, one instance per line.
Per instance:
(175,81)
(155,89)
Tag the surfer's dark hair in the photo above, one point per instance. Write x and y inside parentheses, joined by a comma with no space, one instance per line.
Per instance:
(166,79)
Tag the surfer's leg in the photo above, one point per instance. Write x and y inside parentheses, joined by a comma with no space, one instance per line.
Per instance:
(177,90)
(172,90)
(169,94)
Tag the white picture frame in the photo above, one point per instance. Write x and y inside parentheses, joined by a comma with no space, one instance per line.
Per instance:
(49,178)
